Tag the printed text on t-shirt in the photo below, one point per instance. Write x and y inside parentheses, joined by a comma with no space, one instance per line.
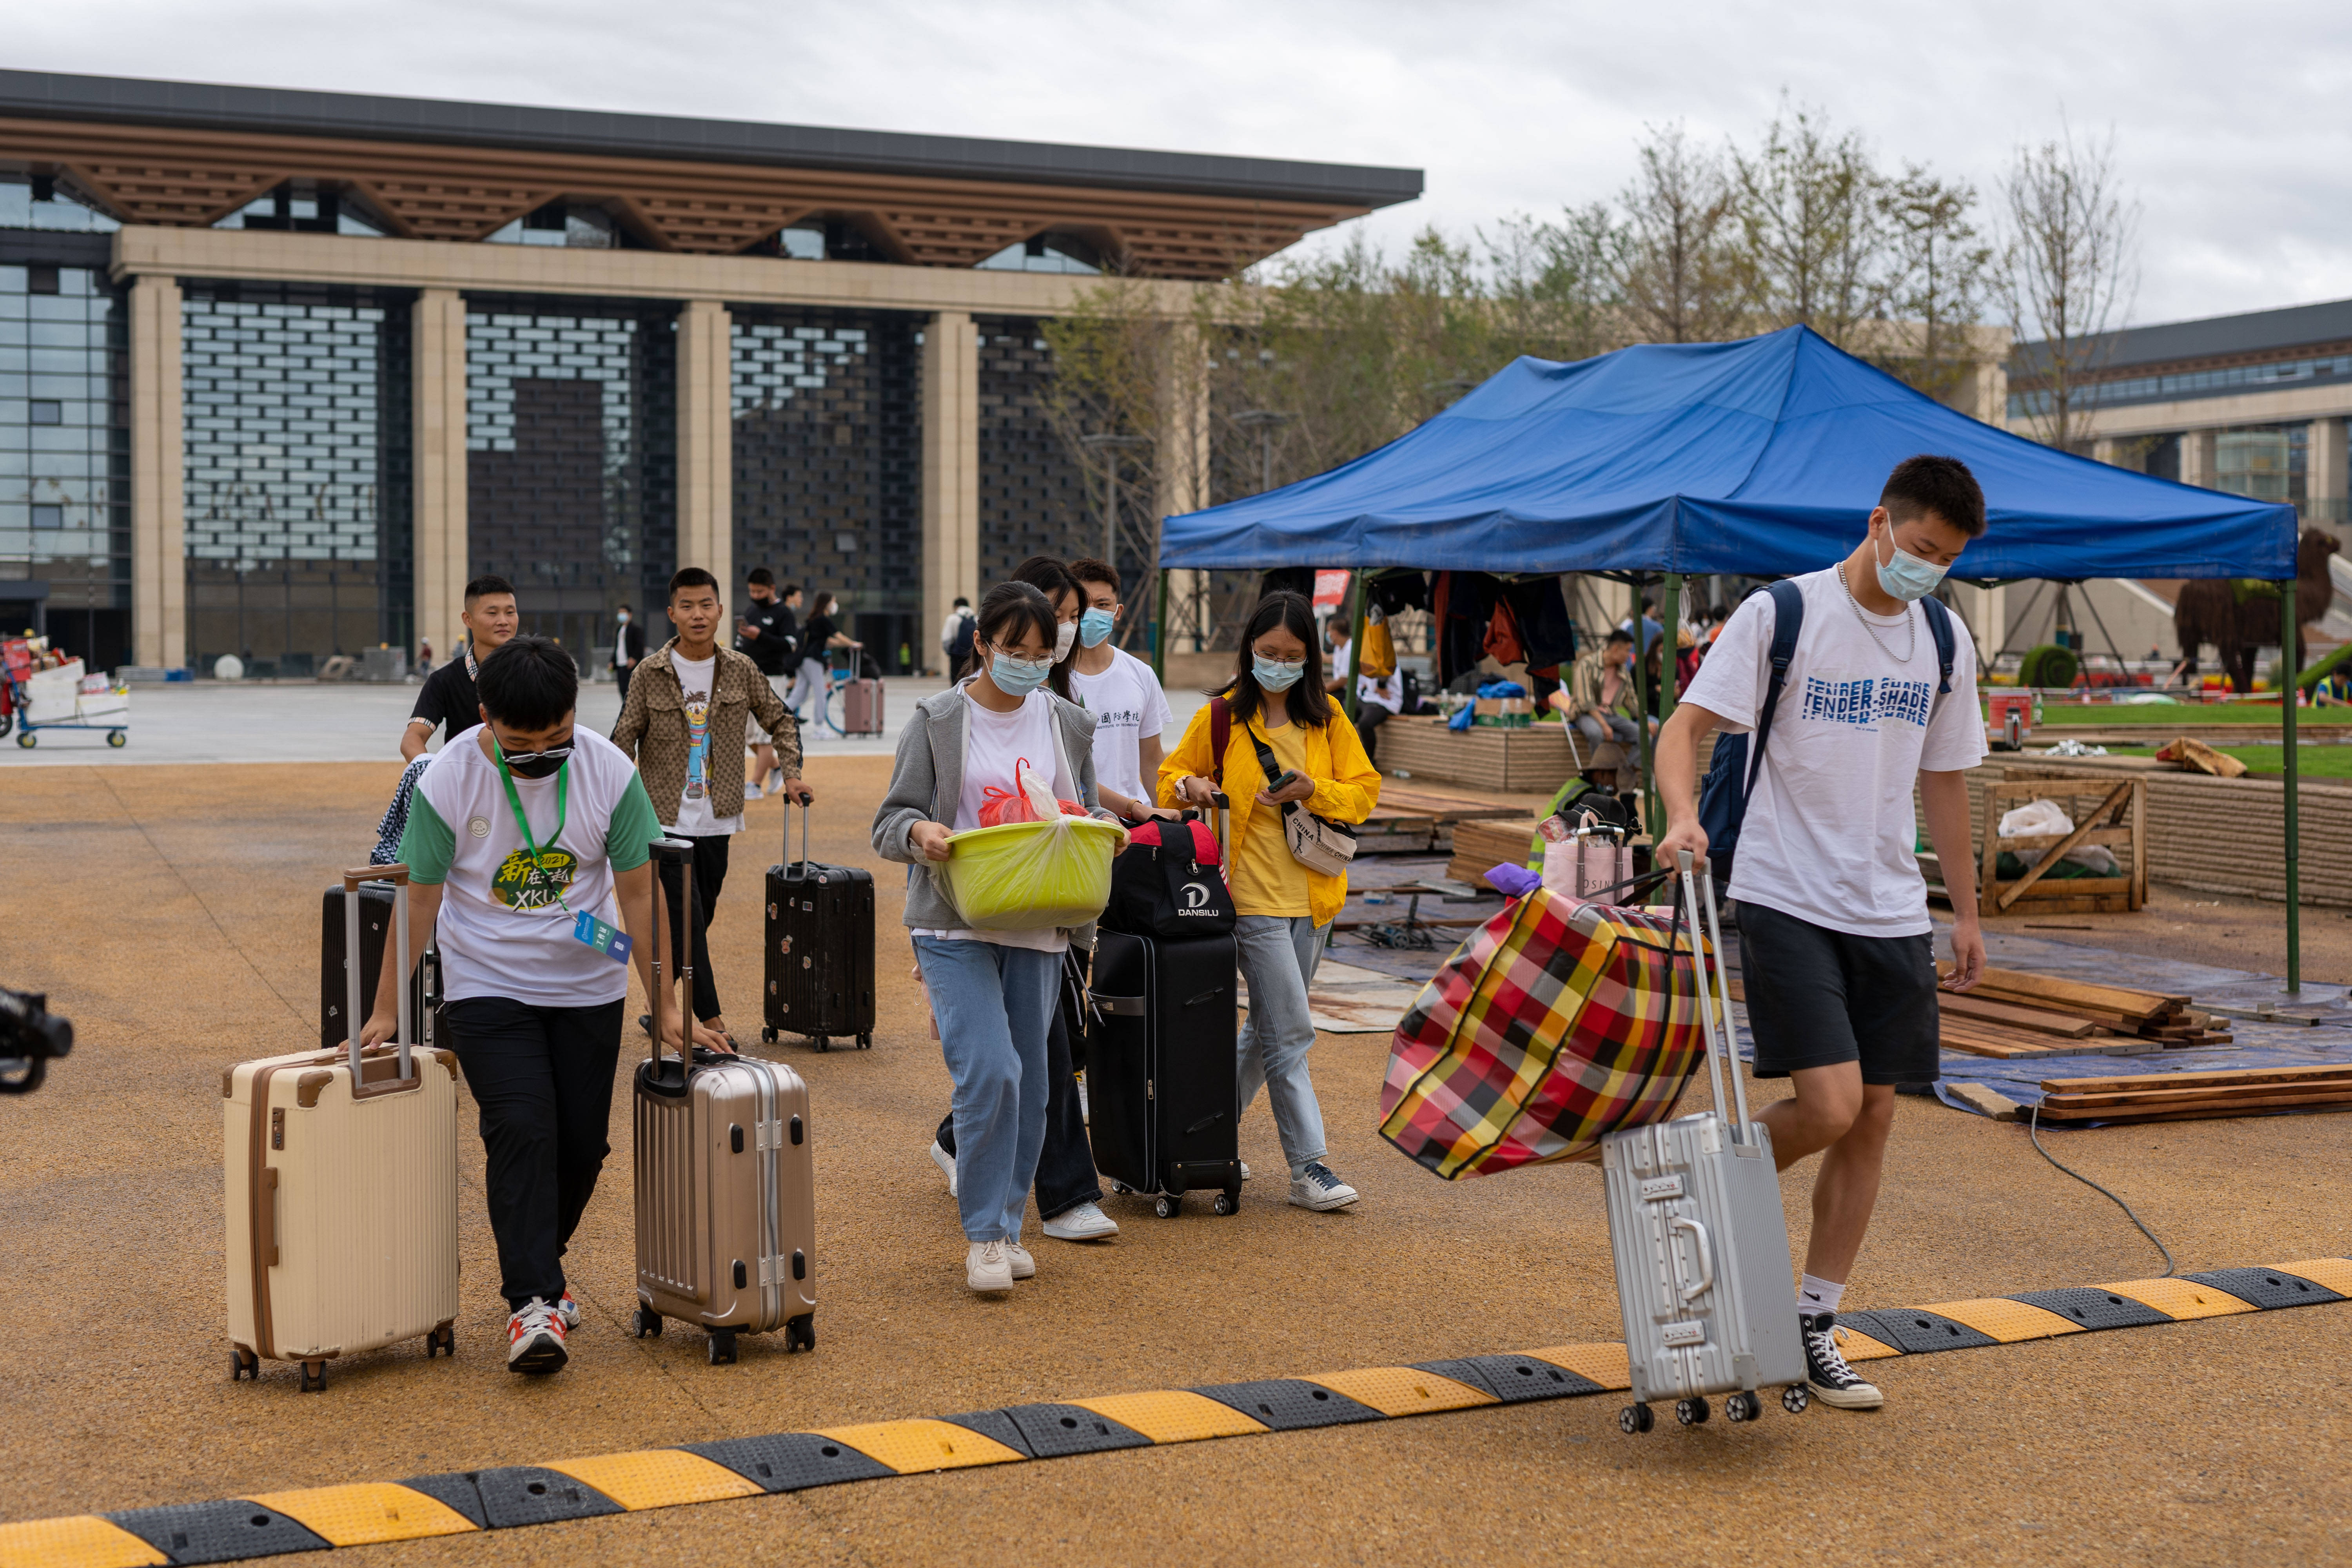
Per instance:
(1863,701)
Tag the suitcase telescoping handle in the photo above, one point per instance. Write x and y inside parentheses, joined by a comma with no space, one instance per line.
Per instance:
(1223,804)
(788,831)
(357,1017)
(680,854)
(1720,1050)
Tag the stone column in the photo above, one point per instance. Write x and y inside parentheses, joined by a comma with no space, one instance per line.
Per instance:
(950,394)
(705,451)
(2197,464)
(2103,450)
(159,569)
(2324,475)
(437,416)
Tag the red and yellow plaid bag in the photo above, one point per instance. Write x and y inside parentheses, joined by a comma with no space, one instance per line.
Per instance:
(1559,1022)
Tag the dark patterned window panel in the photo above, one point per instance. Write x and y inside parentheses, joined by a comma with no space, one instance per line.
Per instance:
(65,495)
(297,498)
(1033,497)
(572,459)
(828,476)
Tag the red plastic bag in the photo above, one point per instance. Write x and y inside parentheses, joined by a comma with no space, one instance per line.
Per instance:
(1031,799)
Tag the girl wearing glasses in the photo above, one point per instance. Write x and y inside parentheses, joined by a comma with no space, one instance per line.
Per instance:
(1277,701)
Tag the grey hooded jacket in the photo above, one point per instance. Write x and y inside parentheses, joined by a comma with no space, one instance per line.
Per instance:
(927,783)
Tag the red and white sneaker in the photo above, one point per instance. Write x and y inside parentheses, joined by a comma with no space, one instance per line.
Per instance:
(569,1311)
(535,1339)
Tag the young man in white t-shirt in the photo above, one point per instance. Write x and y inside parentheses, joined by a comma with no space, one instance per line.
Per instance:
(689,713)
(1130,710)
(526,847)
(1834,939)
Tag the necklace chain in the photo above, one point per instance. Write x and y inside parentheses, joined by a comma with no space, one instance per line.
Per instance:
(1910,623)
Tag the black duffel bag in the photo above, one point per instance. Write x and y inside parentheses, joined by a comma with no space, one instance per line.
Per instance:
(1169,882)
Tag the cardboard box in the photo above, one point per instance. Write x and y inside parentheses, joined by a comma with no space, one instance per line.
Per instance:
(49,694)
(1504,707)
(106,708)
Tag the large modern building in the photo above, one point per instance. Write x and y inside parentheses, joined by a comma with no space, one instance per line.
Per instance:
(279,371)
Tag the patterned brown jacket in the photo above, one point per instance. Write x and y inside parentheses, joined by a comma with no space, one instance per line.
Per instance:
(652,730)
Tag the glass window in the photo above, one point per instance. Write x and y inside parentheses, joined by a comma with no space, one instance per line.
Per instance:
(557,224)
(48,411)
(28,203)
(1056,253)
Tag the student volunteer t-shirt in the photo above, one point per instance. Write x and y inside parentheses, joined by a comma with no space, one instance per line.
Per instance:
(1129,709)
(1829,829)
(695,677)
(504,929)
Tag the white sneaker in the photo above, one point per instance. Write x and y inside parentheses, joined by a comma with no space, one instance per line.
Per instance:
(1244,1170)
(535,1339)
(987,1266)
(945,1162)
(569,1311)
(1023,1266)
(1085,1223)
(1317,1188)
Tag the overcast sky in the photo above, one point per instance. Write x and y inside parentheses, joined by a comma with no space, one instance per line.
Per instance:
(2234,124)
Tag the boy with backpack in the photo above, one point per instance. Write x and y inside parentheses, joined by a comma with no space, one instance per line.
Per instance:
(1855,686)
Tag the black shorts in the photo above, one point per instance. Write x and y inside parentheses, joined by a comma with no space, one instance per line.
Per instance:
(1817,997)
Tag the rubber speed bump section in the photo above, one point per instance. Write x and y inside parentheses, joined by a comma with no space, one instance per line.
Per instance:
(1855,1345)
(791,1461)
(911,1448)
(2335,1273)
(1603,1366)
(658,1478)
(1058,1431)
(995,1424)
(2095,1308)
(367,1512)
(1914,1330)
(455,1491)
(1173,1415)
(81,1540)
(1289,1403)
(2269,1289)
(1513,1378)
(218,1532)
(530,1494)
(2178,1299)
(2006,1322)
(1404,1390)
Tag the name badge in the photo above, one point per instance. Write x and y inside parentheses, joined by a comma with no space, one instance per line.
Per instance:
(613,945)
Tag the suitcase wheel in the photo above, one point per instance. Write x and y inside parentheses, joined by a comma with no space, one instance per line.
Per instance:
(442,1340)
(1795,1397)
(722,1347)
(645,1321)
(314,1377)
(1635,1418)
(1743,1407)
(1226,1203)
(1122,1189)
(1169,1205)
(823,1042)
(1691,1412)
(767,1037)
(800,1334)
(865,1042)
(243,1364)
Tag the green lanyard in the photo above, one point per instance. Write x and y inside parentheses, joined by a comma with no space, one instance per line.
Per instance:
(562,790)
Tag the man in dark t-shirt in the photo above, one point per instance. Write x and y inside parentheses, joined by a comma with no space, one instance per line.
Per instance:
(765,630)
(447,696)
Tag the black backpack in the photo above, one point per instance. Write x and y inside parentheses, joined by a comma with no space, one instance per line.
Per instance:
(1168,883)
(959,646)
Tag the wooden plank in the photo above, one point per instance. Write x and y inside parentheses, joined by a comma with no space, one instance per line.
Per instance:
(2154,1097)
(2042,867)
(2033,1020)
(1445,808)
(2202,1110)
(2200,1079)
(2061,993)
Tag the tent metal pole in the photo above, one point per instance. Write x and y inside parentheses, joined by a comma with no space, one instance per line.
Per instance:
(1160,631)
(1348,698)
(1642,706)
(2288,692)
(1670,608)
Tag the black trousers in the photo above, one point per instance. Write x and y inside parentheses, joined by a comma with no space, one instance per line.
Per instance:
(1066,1165)
(709,876)
(1367,729)
(543,1078)
(621,674)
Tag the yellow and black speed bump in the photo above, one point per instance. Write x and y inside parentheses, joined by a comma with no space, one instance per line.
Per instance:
(462,1503)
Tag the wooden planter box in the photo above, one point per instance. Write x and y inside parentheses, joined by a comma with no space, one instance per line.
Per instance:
(2108,812)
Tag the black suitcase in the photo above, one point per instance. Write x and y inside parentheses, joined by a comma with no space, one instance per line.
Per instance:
(820,948)
(375,929)
(1162,1081)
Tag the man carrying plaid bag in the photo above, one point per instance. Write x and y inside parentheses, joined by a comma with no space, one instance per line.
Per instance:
(1835,944)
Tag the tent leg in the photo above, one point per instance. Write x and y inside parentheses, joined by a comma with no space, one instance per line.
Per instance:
(1641,711)
(2288,692)
(1363,597)
(1160,631)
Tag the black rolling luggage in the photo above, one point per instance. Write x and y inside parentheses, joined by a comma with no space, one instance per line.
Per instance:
(1161,1075)
(820,948)
(375,927)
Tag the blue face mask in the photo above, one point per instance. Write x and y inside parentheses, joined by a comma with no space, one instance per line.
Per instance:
(1094,626)
(1906,577)
(1273,675)
(1018,677)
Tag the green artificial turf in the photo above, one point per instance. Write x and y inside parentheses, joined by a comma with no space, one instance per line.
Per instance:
(2116,714)
(2328,760)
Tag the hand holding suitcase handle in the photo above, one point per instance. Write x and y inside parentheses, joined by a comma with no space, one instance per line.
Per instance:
(398,876)
(1702,938)
(680,854)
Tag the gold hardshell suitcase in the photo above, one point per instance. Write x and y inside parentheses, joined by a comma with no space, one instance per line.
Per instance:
(725,1181)
(340,1184)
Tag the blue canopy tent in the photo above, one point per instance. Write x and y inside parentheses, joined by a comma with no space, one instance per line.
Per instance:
(1759,458)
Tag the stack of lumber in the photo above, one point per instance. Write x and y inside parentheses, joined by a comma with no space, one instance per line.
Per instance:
(2194,1096)
(1415,822)
(1479,845)
(2012,1014)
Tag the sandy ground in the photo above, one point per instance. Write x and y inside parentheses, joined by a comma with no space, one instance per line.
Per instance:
(172,912)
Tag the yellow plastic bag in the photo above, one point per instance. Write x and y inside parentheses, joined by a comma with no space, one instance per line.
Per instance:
(1380,659)
(1030,876)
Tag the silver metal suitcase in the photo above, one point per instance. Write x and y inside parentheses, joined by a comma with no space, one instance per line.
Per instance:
(1700,1240)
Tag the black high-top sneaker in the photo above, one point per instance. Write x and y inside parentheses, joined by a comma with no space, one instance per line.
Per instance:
(1833,1382)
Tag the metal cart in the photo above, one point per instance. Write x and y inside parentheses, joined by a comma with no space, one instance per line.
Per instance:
(12,712)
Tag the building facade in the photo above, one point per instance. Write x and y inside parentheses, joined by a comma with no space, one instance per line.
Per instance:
(280,371)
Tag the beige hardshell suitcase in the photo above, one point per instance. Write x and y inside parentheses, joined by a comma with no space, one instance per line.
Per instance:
(340,1181)
(726,1184)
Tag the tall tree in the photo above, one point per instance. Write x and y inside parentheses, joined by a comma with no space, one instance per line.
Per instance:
(1815,246)
(2069,273)
(1946,269)
(1678,275)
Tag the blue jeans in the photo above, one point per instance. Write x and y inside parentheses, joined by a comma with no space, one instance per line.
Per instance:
(1278,954)
(993,1004)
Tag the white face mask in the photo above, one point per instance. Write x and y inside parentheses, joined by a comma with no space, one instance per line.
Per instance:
(1063,639)
(1906,577)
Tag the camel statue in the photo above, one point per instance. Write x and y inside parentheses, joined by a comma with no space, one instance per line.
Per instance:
(2238,616)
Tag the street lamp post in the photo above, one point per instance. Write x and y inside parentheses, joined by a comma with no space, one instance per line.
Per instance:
(1265,420)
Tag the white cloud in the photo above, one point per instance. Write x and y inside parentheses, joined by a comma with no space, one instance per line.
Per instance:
(2229,123)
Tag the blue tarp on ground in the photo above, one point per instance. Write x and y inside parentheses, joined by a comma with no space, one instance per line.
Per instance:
(1757,458)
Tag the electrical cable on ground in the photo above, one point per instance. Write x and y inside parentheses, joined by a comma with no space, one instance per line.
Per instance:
(2033,1131)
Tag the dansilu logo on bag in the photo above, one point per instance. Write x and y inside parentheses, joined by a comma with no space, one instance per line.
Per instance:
(1196,900)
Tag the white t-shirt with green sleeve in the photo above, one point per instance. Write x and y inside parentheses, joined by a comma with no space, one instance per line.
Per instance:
(506,928)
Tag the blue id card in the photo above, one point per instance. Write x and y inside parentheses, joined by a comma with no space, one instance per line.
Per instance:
(613,945)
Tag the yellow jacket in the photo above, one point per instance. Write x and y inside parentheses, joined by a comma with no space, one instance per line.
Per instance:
(1347,785)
